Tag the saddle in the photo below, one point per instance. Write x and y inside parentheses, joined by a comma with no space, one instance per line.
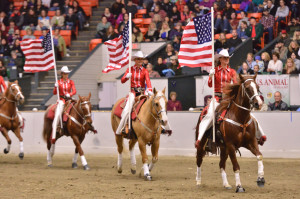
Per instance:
(66,111)
(139,101)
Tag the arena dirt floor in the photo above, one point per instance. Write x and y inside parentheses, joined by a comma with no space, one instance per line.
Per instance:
(173,177)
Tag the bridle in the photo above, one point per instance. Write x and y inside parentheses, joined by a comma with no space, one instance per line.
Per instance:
(12,93)
(250,98)
(157,112)
(83,117)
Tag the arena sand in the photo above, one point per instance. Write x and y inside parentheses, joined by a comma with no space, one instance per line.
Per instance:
(173,177)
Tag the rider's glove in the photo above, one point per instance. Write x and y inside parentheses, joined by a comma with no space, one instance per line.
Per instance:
(128,75)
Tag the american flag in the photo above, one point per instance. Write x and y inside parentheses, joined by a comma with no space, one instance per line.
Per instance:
(196,48)
(118,50)
(38,54)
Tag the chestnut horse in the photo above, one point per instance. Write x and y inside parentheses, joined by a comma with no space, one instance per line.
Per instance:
(9,119)
(238,129)
(78,124)
(147,128)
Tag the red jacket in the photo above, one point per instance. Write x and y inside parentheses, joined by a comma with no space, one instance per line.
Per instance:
(65,87)
(139,77)
(2,82)
(222,77)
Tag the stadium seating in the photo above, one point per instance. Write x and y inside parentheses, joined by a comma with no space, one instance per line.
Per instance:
(94,43)
(138,22)
(87,7)
(146,22)
(18,4)
(51,14)
(144,30)
(37,34)
(140,13)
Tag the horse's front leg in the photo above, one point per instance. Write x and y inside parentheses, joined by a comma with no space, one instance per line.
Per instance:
(142,146)
(5,134)
(132,155)
(75,158)
(253,147)
(236,168)
(119,141)
(78,146)
(222,164)
(154,151)
(18,134)
(199,159)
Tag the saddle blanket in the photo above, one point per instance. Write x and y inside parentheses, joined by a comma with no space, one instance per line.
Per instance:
(136,108)
(51,112)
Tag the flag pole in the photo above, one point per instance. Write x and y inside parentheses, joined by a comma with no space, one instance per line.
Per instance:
(213,66)
(56,79)
(130,54)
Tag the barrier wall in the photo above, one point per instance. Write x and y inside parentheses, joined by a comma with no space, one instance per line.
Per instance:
(282,129)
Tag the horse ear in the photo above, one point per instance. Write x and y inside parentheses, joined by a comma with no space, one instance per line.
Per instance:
(90,95)
(16,82)
(255,76)
(9,83)
(154,91)
(164,90)
(79,97)
(241,78)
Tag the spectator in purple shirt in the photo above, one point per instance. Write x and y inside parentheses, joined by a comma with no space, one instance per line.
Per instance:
(173,104)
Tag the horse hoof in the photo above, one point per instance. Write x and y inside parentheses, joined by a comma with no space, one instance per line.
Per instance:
(148,177)
(21,156)
(261,181)
(240,189)
(74,165)
(133,171)
(198,183)
(50,165)
(119,170)
(86,167)
(5,151)
(227,186)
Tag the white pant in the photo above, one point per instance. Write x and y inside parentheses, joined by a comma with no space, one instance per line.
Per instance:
(125,114)
(207,122)
(58,112)
(20,118)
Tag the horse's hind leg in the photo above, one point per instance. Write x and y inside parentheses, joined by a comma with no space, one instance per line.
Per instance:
(17,133)
(132,155)
(51,148)
(222,164)
(253,147)
(119,141)
(236,168)
(199,160)
(77,142)
(5,134)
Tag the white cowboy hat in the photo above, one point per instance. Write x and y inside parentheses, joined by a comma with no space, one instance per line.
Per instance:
(65,69)
(222,53)
(138,54)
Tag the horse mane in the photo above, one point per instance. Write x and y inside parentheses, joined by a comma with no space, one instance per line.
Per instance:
(230,91)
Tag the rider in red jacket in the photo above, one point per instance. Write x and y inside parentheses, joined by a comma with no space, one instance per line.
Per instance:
(66,91)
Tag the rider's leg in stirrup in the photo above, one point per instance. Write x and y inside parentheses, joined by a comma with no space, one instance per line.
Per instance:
(260,135)
(125,114)
(58,113)
(206,122)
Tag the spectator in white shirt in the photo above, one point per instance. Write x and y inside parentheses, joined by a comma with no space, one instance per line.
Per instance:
(275,65)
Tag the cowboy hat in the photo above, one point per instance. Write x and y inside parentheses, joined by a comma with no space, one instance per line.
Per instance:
(138,54)
(222,53)
(65,69)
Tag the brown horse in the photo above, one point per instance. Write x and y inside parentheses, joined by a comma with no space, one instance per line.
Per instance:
(147,128)
(238,129)
(78,124)
(9,119)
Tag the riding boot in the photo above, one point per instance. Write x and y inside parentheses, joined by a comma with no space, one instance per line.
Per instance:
(125,114)
(166,129)
(206,122)
(260,135)
(58,113)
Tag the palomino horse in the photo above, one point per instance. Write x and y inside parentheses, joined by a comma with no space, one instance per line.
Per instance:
(9,119)
(147,128)
(78,124)
(238,129)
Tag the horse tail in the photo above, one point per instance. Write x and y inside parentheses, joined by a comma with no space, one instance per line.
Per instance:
(47,126)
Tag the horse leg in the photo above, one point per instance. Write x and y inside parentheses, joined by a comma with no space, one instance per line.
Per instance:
(253,147)
(78,146)
(119,141)
(51,148)
(132,155)
(74,161)
(236,169)
(5,134)
(222,164)
(199,160)
(154,151)
(142,147)
(17,133)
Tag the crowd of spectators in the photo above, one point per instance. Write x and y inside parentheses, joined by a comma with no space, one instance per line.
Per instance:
(30,17)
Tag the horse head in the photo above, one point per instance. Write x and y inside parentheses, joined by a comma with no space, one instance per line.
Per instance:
(159,104)
(14,92)
(251,90)
(85,109)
